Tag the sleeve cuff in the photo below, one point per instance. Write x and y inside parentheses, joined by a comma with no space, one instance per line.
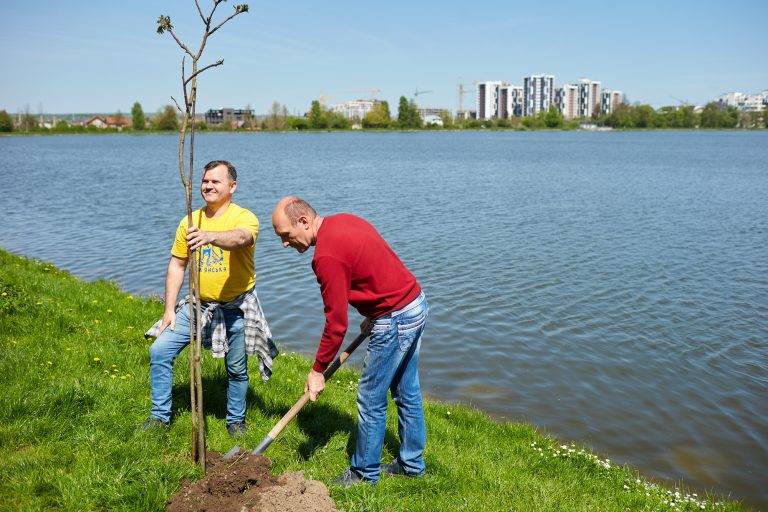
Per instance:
(320,367)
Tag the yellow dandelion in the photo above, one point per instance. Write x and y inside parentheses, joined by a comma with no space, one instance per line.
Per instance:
(40,302)
(4,294)
(113,376)
(97,359)
(49,363)
(109,311)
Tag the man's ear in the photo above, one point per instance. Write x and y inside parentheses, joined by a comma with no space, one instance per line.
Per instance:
(233,187)
(305,221)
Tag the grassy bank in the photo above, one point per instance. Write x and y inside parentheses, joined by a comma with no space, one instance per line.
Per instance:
(74,374)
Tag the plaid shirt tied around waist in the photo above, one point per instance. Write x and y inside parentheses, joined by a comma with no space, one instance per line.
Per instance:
(258,337)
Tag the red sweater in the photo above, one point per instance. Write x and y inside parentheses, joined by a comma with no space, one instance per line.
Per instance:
(355,265)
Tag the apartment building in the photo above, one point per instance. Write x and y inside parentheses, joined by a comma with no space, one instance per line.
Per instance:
(609,100)
(567,100)
(488,99)
(354,109)
(538,94)
(589,97)
(511,101)
(234,116)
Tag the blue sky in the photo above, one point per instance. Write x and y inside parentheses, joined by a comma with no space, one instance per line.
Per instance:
(78,56)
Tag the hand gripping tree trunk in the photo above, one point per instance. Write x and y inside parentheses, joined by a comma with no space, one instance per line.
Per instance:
(189,88)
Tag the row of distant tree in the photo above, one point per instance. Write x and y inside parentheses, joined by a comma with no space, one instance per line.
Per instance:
(624,116)
(164,119)
(321,118)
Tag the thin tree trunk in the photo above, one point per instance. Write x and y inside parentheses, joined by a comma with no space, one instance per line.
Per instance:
(194,260)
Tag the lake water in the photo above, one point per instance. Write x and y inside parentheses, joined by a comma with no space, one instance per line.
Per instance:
(610,288)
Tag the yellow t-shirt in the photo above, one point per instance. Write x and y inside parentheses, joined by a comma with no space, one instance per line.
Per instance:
(223,274)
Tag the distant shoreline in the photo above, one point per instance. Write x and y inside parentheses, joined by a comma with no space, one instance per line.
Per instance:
(375,130)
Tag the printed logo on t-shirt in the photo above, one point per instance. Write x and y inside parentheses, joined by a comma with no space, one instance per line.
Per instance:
(212,259)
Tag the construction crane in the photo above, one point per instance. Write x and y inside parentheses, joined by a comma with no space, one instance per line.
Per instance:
(417,92)
(325,96)
(462,92)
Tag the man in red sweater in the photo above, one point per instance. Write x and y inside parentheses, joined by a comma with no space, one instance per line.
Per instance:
(355,265)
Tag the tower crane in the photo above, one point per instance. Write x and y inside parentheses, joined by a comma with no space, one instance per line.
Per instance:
(417,92)
(462,92)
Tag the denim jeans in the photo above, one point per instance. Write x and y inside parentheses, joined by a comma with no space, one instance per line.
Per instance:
(391,363)
(170,343)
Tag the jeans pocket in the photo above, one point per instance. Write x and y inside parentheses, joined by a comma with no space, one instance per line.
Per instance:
(411,323)
(381,325)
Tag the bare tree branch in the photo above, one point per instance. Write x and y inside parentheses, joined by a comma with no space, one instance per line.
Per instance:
(239,9)
(210,16)
(177,106)
(184,84)
(193,75)
(178,41)
(200,11)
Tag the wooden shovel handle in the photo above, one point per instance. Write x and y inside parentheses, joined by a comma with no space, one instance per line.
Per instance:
(328,373)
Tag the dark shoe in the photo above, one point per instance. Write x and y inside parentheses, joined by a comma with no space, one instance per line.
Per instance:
(236,429)
(349,478)
(152,423)
(395,468)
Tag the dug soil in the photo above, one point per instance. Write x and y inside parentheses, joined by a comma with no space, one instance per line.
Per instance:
(245,484)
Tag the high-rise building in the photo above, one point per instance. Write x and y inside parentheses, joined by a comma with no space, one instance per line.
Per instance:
(589,97)
(567,100)
(609,100)
(503,102)
(538,94)
(513,104)
(488,99)
(744,102)
(354,109)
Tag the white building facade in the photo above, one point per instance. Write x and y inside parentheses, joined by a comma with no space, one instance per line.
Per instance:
(354,109)
(538,94)
(589,97)
(567,100)
(488,99)
(609,100)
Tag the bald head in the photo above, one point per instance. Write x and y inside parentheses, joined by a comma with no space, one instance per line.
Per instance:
(294,207)
(296,223)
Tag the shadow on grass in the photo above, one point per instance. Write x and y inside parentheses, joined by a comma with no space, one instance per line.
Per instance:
(318,421)
(321,421)
(214,397)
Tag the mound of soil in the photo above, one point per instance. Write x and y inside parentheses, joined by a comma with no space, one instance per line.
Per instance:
(244,484)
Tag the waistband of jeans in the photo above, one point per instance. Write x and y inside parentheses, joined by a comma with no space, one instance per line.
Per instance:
(415,302)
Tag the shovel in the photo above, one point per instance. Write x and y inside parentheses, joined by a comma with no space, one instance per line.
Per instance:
(293,411)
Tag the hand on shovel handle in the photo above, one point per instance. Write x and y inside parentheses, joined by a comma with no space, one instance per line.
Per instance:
(293,411)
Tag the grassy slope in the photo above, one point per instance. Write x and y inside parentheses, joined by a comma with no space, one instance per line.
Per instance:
(74,388)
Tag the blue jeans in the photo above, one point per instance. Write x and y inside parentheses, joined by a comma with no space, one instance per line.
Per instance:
(391,363)
(170,343)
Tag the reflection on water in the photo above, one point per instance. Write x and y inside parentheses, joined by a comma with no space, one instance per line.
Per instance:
(611,288)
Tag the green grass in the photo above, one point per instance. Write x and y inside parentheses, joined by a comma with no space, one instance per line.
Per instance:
(74,388)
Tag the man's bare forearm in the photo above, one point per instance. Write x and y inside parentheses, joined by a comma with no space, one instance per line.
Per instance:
(174,278)
(232,239)
(227,240)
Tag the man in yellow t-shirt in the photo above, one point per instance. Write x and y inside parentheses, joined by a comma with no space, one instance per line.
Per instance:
(225,234)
